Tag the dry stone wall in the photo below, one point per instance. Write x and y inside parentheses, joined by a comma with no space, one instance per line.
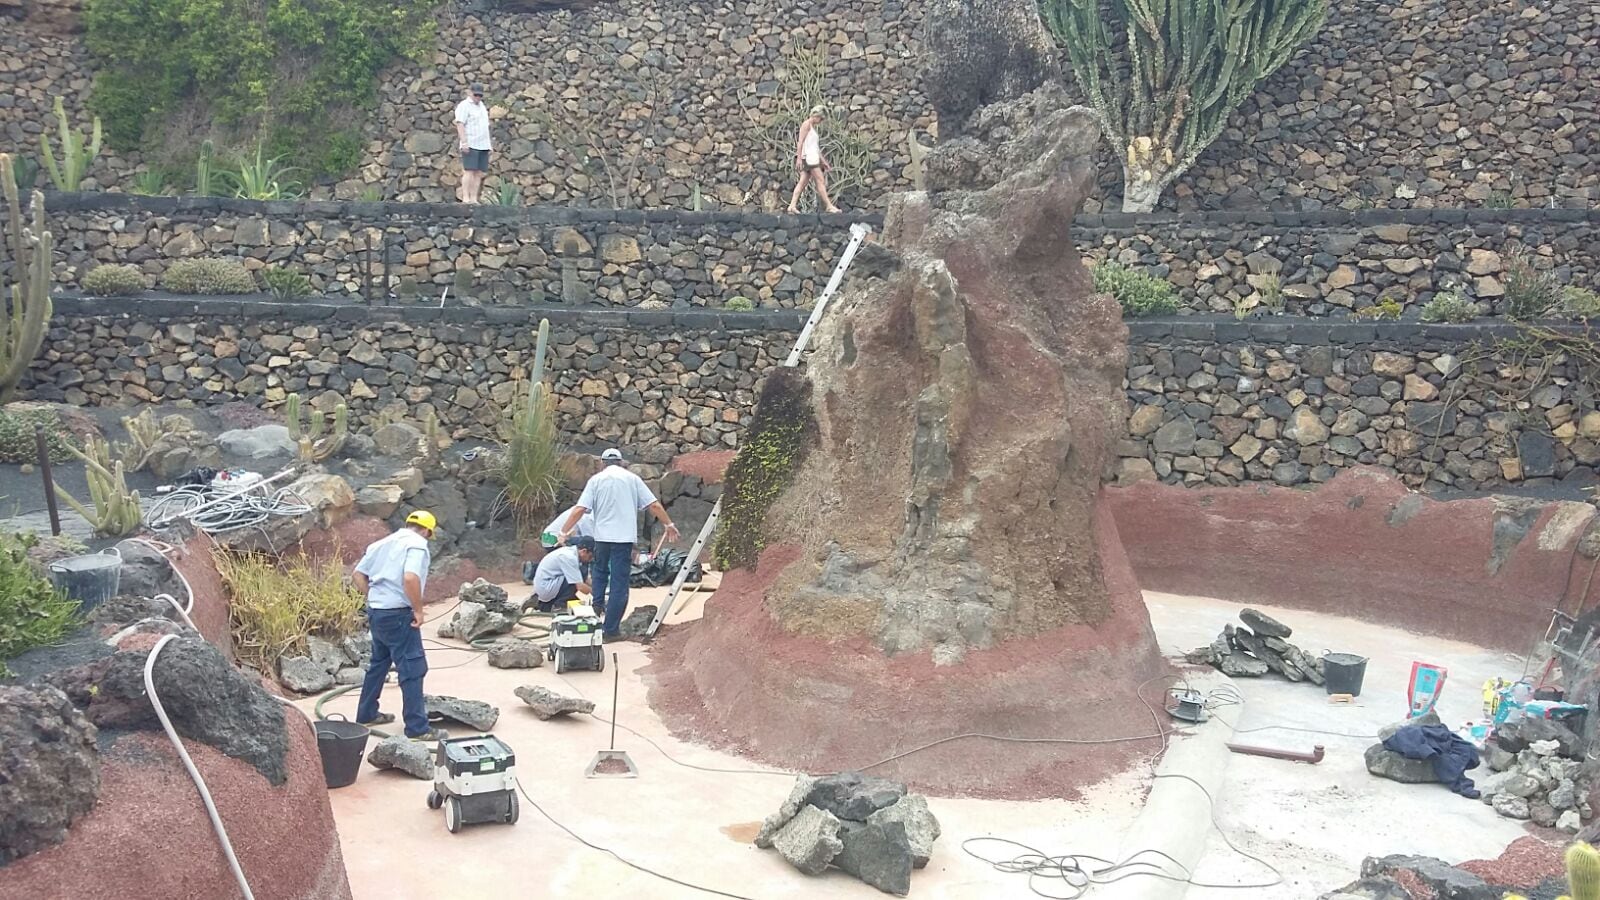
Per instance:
(492,255)
(1293,402)
(1211,400)
(1414,103)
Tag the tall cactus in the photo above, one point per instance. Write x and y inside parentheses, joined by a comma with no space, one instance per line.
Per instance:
(67,174)
(540,345)
(291,416)
(1165,90)
(22,331)
(116,510)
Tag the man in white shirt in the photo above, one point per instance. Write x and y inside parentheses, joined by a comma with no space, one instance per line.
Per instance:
(472,133)
(560,574)
(615,496)
(392,574)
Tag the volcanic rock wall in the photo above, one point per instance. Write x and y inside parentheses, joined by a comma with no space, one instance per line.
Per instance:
(1417,103)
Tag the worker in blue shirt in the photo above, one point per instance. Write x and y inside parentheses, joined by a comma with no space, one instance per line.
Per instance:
(615,496)
(392,574)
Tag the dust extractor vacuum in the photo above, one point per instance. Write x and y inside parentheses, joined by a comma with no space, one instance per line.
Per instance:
(475,780)
(576,641)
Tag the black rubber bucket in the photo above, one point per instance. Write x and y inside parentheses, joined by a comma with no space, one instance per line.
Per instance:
(91,580)
(1343,673)
(341,744)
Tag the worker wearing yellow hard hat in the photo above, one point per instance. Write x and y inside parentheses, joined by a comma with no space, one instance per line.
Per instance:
(393,573)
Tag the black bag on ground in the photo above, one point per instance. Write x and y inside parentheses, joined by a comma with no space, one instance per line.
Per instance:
(662,569)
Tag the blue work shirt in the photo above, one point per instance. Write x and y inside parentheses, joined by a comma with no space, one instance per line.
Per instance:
(386,564)
(615,496)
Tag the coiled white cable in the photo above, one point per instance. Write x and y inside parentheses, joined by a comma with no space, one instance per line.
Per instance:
(194,774)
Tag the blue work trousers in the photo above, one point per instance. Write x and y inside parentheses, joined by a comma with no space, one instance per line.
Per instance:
(395,642)
(612,567)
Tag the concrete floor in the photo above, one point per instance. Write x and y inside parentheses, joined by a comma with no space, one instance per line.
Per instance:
(1313,822)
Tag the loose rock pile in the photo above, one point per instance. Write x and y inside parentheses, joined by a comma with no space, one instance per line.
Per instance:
(869,827)
(485,609)
(1257,650)
(326,663)
(1539,774)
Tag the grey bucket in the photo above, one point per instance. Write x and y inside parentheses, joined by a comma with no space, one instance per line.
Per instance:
(1344,672)
(341,743)
(91,580)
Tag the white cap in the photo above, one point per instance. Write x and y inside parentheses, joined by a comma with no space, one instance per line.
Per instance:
(613,453)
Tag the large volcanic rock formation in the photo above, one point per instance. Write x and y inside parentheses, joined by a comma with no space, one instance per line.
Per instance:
(935,557)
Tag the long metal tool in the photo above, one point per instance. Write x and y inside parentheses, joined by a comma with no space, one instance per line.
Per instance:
(858,234)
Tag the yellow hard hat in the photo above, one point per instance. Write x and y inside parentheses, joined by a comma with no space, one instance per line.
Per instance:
(424,518)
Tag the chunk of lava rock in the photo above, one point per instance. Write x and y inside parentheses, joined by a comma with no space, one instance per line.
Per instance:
(1510,806)
(474,620)
(1378,887)
(350,675)
(471,713)
(411,757)
(301,674)
(547,704)
(1569,822)
(489,596)
(810,840)
(791,806)
(922,829)
(1388,764)
(1514,737)
(1238,665)
(326,654)
(1497,757)
(1263,624)
(853,796)
(637,623)
(1437,876)
(515,653)
(49,770)
(1252,644)
(878,853)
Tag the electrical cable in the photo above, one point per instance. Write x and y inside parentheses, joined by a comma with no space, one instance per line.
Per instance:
(622,859)
(194,774)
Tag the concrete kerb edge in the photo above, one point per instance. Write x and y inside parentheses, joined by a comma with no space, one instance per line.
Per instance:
(1177,819)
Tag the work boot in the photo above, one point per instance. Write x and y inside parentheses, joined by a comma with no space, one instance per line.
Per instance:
(430,736)
(379,719)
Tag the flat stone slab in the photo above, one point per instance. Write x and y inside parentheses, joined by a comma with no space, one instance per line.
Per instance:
(408,756)
(471,713)
(547,704)
(515,653)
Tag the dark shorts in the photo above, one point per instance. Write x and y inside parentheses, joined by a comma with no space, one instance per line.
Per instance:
(475,160)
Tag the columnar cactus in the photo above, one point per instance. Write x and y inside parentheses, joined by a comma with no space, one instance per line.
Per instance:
(23,330)
(76,154)
(291,416)
(116,510)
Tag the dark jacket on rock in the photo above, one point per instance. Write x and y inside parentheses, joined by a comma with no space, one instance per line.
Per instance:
(1451,754)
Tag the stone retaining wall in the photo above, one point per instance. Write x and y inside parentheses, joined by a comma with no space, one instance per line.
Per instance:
(1413,103)
(1211,401)
(493,254)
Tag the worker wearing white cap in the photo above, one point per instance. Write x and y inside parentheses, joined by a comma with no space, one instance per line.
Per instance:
(615,496)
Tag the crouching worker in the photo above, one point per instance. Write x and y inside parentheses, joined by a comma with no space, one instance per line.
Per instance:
(560,575)
(393,574)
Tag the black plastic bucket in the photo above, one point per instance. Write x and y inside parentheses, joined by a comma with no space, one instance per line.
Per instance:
(1343,673)
(341,744)
(91,580)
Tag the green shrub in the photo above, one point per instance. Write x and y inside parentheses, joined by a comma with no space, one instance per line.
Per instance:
(263,178)
(17,442)
(285,284)
(1139,294)
(1580,303)
(1449,306)
(1387,308)
(112,281)
(32,614)
(274,605)
(208,276)
(286,74)
(150,183)
(1530,292)
(739,304)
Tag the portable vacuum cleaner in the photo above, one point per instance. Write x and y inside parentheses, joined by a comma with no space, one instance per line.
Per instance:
(575,639)
(474,779)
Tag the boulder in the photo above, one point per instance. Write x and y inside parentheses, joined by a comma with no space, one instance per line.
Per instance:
(408,480)
(350,675)
(1541,813)
(853,796)
(1388,731)
(1433,875)
(1378,887)
(326,654)
(264,443)
(398,440)
(1569,822)
(1240,665)
(471,713)
(49,769)
(411,757)
(304,675)
(515,653)
(490,596)
(1391,765)
(921,828)
(473,621)
(271,536)
(878,853)
(547,704)
(1514,737)
(791,807)
(810,840)
(1263,624)
(1510,806)
(358,648)
(330,497)
(637,623)
(176,452)
(379,500)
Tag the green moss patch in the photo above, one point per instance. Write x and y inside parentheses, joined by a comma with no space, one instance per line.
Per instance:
(780,436)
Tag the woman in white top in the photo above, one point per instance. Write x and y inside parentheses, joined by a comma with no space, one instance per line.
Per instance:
(812,164)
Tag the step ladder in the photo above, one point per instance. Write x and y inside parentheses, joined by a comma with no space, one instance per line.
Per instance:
(858,235)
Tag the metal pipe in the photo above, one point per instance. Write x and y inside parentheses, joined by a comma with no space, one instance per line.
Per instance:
(1314,757)
(42,447)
